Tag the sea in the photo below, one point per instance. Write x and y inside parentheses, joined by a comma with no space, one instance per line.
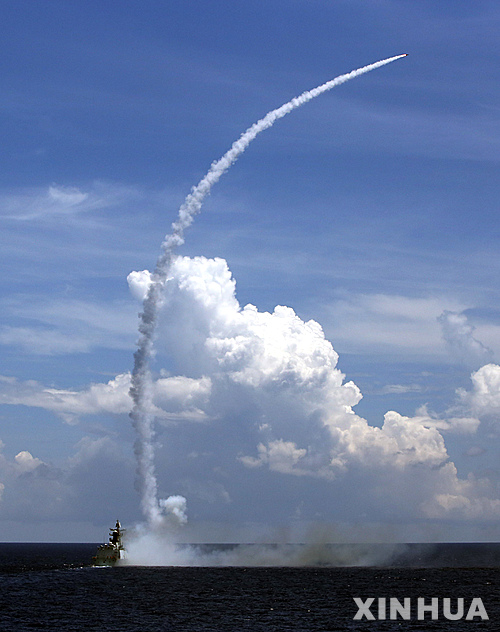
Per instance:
(55,587)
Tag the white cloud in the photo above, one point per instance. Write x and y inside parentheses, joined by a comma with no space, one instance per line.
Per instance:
(176,397)
(471,499)
(458,334)
(58,327)
(446,505)
(284,371)
(42,341)
(475,450)
(112,397)
(484,398)
(398,389)
(275,406)
(55,201)
(182,398)
(26,462)
(31,487)
(393,324)
(281,456)
(447,422)
(416,443)
(36,490)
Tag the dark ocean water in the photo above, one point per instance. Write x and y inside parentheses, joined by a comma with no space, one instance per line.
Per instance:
(53,587)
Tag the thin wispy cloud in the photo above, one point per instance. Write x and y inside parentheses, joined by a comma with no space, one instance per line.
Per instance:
(392,324)
(61,326)
(55,200)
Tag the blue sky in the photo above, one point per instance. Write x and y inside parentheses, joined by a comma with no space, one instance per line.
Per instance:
(371,210)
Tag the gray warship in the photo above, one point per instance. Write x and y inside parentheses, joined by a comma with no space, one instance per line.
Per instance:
(112,552)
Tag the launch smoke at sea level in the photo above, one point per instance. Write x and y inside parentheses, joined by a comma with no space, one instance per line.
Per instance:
(142,414)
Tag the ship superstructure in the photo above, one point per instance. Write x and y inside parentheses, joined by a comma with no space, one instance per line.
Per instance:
(110,553)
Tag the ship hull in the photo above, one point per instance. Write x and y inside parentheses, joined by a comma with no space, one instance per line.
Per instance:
(108,556)
(112,552)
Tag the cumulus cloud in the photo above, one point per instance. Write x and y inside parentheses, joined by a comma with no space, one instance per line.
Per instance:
(279,426)
(281,456)
(449,423)
(181,398)
(26,462)
(31,487)
(484,398)
(275,382)
(470,498)
(450,505)
(78,486)
(458,334)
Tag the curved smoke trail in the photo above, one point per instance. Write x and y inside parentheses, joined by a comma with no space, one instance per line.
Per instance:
(141,390)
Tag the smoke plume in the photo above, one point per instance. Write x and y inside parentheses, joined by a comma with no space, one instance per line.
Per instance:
(141,389)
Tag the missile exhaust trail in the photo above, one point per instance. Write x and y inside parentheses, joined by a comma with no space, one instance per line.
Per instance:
(141,389)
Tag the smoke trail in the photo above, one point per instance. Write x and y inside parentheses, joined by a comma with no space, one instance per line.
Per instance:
(142,414)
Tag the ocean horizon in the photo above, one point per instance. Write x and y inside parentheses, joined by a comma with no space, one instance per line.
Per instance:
(53,586)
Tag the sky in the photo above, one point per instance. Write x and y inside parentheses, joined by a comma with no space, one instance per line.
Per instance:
(328,344)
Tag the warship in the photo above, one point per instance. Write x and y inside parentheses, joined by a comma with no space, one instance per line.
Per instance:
(113,551)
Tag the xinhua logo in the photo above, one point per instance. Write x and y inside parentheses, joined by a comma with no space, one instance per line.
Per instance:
(434,608)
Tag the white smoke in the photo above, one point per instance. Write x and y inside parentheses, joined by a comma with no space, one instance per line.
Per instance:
(153,549)
(139,283)
(176,507)
(141,389)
